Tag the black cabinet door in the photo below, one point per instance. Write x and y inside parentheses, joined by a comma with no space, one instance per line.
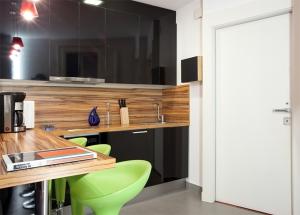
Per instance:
(168,50)
(133,145)
(6,34)
(64,38)
(122,51)
(165,148)
(92,41)
(175,155)
(32,63)
(146,51)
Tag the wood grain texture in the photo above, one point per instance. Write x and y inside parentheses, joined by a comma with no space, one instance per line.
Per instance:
(114,128)
(68,107)
(176,104)
(40,140)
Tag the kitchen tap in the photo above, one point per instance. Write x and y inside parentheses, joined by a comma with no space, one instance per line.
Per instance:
(160,117)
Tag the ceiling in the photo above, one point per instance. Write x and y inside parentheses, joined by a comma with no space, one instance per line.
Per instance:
(169,4)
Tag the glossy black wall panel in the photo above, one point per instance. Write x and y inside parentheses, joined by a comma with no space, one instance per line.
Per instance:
(33,60)
(122,32)
(64,38)
(92,41)
(167,48)
(120,41)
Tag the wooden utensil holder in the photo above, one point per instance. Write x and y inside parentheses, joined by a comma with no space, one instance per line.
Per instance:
(124,115)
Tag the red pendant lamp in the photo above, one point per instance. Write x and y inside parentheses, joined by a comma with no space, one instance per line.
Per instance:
(28,10)
(17,43)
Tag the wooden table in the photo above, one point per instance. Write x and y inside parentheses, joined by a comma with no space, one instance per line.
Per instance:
(33,140)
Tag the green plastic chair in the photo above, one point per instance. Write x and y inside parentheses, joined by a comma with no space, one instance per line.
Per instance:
(101,148)
(107,191)
(60,183)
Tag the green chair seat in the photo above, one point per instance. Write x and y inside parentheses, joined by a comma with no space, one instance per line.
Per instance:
(106,191)
(81,141)
(60,184)
(101,148)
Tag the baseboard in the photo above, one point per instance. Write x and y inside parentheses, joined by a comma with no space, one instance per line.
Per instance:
(159,190)
(193,187)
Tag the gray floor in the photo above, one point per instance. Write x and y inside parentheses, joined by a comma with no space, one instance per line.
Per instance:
(185,202)
(182,203)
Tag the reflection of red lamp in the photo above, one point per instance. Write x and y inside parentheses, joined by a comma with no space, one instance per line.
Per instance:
(14,54)
(17,43)
(28,10)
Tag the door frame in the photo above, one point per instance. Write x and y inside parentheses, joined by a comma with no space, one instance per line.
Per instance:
(212,21)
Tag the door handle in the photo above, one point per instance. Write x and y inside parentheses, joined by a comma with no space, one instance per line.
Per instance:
(140,132)
(282,110)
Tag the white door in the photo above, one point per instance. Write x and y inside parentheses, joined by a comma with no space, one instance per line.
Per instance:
(253,143)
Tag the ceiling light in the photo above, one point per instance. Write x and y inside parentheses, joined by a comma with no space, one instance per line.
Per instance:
(28,10)
(93,2)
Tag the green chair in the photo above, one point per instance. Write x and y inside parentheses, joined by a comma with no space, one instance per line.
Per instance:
(101,148)
(107,191)
(60,183)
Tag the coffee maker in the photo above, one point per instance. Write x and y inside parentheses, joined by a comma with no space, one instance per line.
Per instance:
(11,112)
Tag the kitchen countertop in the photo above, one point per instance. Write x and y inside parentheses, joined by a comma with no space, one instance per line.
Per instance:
(37,139)
(112,128)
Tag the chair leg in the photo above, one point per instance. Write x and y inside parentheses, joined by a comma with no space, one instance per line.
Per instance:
(60,191)
(77,207)
(107,211)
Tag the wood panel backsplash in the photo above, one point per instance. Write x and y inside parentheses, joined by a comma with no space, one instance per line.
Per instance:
(176,104)
(69,107)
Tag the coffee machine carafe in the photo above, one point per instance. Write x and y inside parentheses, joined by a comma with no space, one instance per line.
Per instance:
(11,113)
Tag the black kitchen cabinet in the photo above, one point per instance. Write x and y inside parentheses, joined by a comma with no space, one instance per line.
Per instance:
(64,38)
(165,148)
(92,36)
(122,32)
(33,60)
(119,41)
(175,157)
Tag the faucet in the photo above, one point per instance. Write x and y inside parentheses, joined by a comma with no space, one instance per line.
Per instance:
(160,117)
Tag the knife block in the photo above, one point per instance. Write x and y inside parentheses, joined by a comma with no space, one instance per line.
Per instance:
(124,115)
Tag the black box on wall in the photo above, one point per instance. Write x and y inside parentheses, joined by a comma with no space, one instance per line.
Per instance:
(191,69)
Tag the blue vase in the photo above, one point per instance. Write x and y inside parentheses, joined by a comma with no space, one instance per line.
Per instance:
(94,119)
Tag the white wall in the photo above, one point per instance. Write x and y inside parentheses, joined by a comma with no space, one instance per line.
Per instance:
(219,13)
(296,105)
(215,5)
(189,45)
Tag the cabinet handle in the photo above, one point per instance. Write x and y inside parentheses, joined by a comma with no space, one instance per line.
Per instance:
(140,132)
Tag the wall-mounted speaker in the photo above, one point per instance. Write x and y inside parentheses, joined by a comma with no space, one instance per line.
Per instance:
(191,69)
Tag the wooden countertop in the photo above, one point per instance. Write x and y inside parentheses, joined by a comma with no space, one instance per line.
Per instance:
(37,139)
(113,128)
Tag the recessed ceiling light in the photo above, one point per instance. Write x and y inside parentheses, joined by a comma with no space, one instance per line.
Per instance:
(93,2)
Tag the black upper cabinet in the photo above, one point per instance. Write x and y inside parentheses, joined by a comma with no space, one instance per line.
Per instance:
(122,32)
(119,41)
(6,34)
(32,62)
(92,41)
(64,38)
